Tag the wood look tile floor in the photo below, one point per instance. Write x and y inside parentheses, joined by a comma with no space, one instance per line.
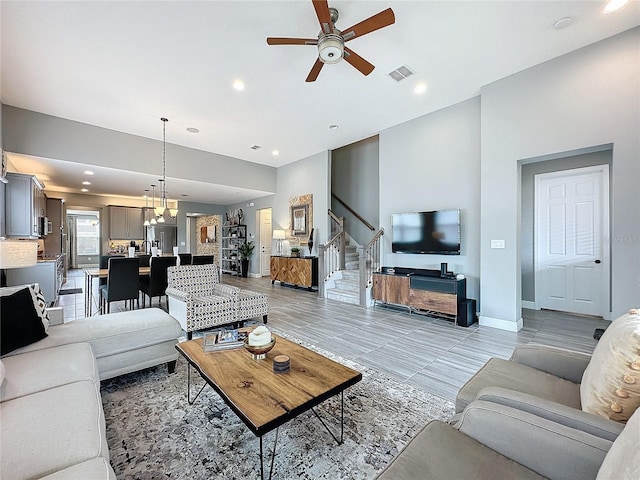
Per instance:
(427,352)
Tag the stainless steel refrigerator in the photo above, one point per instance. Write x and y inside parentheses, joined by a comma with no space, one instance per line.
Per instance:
(165,236)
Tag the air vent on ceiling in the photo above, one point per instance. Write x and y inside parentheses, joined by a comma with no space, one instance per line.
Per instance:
(255,147)
(400,73)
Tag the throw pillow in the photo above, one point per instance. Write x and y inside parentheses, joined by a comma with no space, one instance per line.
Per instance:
(611,382)
(38,300)
(1,372)
(20,324)
(622,461)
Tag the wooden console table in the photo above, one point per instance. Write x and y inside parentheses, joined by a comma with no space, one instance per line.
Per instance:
(295,271)
(429,293)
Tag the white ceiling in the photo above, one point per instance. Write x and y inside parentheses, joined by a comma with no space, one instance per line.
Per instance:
(124,64)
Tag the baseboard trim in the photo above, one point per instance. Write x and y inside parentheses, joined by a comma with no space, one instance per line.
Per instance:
(529,305)
(501,324)
(254,275)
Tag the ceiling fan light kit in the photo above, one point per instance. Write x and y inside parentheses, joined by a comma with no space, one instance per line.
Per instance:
(331,48)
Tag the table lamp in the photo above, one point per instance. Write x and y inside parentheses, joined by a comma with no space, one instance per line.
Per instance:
(278,236)
(16,253)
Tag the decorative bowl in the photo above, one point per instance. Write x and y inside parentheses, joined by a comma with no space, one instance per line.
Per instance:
(259,352)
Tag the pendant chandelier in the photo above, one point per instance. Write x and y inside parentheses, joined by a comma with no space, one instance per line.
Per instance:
(146,207)
(163,208)
(153,205)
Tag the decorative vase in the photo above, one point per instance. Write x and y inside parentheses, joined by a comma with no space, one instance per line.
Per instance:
(245,267)
(310,242)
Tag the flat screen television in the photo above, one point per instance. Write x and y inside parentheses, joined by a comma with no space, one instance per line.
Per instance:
(426,232)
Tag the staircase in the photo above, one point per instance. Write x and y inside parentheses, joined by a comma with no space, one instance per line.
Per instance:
(347,288)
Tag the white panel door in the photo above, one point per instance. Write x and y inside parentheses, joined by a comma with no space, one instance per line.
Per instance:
(264,221)
(572,261)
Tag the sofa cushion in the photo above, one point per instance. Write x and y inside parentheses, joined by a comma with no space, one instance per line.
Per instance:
(94,469)
(113,333)
(39,302)
(611,382)
(514,376)
(20,324)
(2,373)
(51,430)
(441,452)
(41,370)
(623,461)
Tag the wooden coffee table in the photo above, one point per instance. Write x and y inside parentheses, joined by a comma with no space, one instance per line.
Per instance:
(262,399)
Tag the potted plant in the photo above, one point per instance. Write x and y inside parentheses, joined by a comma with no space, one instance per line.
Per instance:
(295,251)
(246,250)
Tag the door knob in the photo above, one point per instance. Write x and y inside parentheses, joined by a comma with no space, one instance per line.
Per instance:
(598,261)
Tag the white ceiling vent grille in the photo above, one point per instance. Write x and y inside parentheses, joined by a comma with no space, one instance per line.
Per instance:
(255,147)
(401,73)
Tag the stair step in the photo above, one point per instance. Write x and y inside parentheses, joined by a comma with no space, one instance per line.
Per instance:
(350,249)
(350,285)
(352,265)
(353,275)
(344,296)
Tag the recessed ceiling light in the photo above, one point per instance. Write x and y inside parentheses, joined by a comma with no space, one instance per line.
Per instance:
(238,85)
(614,5)
(420,88)
(192,130)
(275,153)
(84,189)
(561,23)
(88,172)
(86,182)
(333,127)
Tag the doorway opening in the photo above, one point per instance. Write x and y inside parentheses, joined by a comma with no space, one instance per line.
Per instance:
(83,238)
(565,245)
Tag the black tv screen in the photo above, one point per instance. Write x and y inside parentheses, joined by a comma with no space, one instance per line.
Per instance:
(426,232)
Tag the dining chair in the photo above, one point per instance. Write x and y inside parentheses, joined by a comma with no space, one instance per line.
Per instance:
(202,259)
(122,283)
(185,258)
(104,263)
(144,260)
(155,284)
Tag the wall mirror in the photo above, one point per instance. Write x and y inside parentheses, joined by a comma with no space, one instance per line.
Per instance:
(299,220)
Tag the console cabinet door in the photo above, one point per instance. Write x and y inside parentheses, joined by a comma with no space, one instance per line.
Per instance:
(436,301)
(391,289)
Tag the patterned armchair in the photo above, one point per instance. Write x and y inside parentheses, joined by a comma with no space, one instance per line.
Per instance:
(197,300)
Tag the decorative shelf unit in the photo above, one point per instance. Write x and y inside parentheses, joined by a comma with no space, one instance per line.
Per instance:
(232,237)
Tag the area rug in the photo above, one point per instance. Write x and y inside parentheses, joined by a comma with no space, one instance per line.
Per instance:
(69,291)
(153,433)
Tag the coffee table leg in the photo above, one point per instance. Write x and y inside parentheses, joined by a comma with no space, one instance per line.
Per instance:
(341,420)
(273,456)
(189,386)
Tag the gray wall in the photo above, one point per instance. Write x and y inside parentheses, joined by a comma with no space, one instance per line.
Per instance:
(33,133)
(528,207)
(355,180)
(433,163)
(586,98)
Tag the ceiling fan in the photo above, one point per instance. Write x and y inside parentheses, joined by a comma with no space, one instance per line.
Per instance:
(331,41)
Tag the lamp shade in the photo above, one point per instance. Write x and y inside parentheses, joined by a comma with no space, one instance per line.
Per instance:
(16,253)
(278,235)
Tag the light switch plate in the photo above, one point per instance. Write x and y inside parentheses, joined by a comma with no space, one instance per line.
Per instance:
(497,243)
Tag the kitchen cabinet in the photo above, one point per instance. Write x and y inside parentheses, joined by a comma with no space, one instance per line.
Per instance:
(24,206)
(125,223)
(46,273)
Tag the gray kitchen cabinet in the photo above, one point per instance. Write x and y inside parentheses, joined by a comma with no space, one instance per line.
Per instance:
(125,223)
(24,206)
(47,273)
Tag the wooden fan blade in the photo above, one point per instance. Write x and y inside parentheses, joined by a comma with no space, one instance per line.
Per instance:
(315,71)
(291,41)
(378,21)
(357,61)
(324,17)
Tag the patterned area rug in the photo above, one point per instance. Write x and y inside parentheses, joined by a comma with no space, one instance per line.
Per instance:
(153,433)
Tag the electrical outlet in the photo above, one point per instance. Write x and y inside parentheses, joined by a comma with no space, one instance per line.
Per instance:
(497,243)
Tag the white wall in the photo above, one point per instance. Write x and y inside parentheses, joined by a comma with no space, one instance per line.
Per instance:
(433,163)
(309,175)
(583,99)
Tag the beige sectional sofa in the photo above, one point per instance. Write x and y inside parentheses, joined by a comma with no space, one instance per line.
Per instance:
(51,417)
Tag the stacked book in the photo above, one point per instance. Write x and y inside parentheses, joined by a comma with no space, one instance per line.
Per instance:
(223,340)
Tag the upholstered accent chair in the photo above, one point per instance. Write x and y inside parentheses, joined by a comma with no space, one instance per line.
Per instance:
(197,300)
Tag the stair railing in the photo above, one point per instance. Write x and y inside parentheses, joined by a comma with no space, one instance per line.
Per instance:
(331,255)
(370,262)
